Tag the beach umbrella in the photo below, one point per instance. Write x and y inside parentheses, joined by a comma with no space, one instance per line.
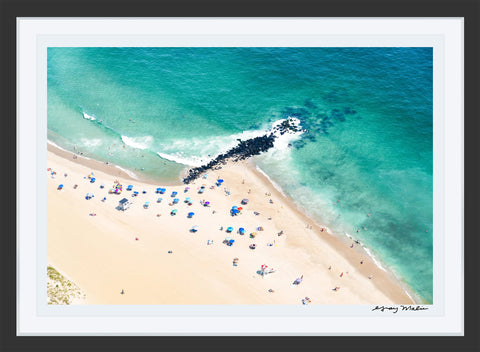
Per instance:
(206,204)
(176,200)
(220,181)
(240,209)
(229,229)
(244,201)
(234,207)
(186,189)
(60,186)
(92,180)
(187,199)
(235,211)
(102,185)
(159,200)
(163,190)
(241,230)
(144,191)
(195,228)
(174,211)
(191,214)
(173,194)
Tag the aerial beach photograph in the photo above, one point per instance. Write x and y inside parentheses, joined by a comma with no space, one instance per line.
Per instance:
(239,175)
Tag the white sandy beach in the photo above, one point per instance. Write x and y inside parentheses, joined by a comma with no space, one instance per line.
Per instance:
(129,250)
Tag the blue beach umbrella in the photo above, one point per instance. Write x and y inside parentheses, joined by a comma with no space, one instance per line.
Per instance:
(235,211)
(60,187)
(234,207)
(241,230)
(129,187)
(191,214)
(174,211)
(220,181)
(173,194)
(162,190)
(187,199)
(229,229)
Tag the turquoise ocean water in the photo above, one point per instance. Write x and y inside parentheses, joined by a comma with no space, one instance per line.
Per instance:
(367,112)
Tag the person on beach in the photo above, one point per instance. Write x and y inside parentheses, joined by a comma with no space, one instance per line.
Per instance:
(123,292)
(298,281)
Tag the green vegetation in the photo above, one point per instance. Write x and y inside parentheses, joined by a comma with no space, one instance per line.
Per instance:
(60,290)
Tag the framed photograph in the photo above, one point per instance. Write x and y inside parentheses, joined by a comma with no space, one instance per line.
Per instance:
(229,175)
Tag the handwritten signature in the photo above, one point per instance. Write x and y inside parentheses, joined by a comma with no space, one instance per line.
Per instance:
(402,308)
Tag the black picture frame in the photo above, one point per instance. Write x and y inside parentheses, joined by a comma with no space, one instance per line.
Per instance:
(11,9)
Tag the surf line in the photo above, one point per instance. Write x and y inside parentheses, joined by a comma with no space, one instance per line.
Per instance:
(245,149)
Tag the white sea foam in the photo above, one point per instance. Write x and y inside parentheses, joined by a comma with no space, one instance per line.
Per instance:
(57,146)
(282,142)
(89,117)
(176,157)
(196,152)
(128,172)
(138,142)
(377,263)
(277,187)
(68,151)
(89,143)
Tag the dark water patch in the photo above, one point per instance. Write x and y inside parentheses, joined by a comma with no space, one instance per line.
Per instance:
(310,104)
(336,96)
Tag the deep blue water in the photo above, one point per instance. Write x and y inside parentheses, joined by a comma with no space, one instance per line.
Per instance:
(368,113)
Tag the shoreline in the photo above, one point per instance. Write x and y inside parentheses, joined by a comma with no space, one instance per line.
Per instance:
(342,239)
(110,168)
(384,282)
